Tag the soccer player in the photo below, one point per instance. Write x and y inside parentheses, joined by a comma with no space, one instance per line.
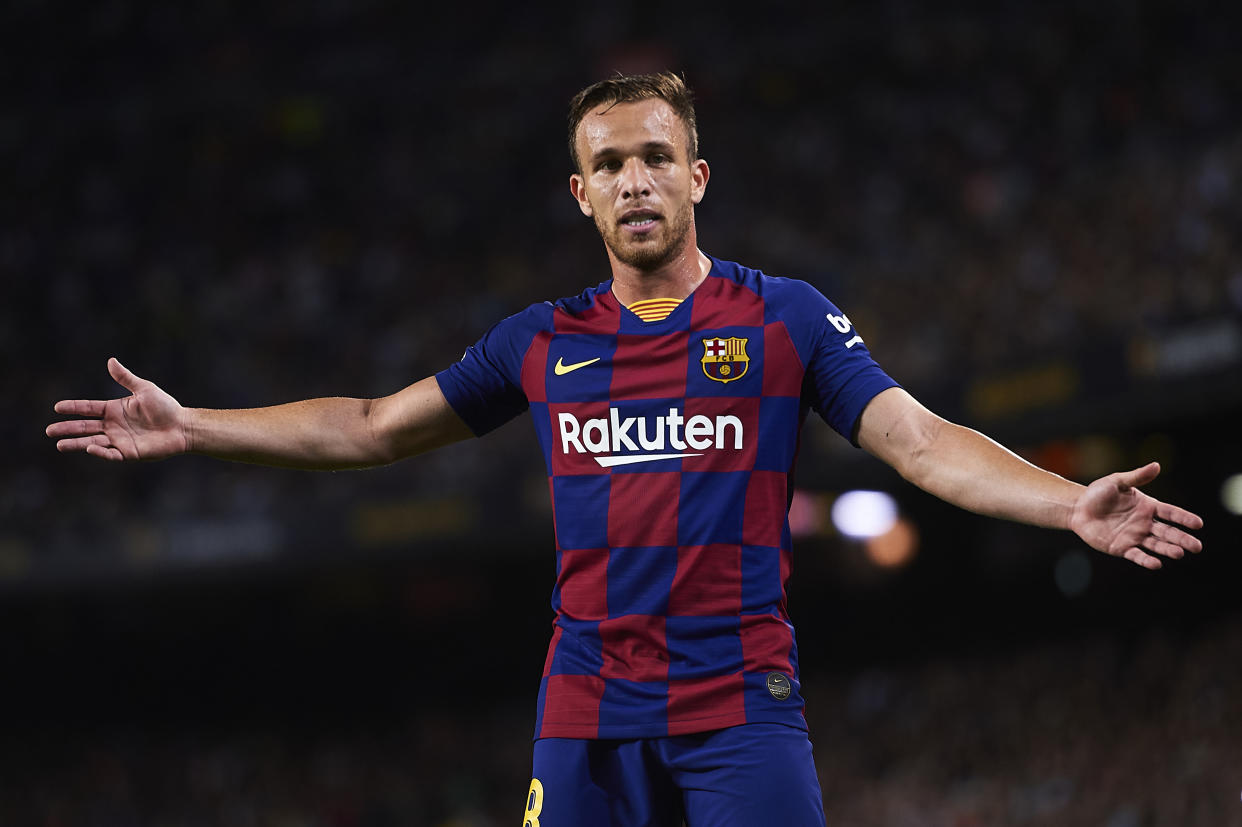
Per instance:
(668,402)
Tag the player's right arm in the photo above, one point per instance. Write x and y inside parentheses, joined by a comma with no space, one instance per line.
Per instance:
(326,434)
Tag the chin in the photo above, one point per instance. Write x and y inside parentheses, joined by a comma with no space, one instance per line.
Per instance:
(645,255)
(644,258)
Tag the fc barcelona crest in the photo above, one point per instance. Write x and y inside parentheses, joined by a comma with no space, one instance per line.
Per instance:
(725,359)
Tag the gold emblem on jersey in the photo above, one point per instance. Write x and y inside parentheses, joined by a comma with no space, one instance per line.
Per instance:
(725,360)
(779,686)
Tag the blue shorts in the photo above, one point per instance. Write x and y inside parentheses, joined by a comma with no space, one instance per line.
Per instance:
(736,777)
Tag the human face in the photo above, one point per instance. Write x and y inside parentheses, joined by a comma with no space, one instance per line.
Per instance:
(638,182)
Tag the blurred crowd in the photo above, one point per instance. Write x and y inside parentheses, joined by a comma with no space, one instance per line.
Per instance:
(253,203)
(1102,731)
(1110,730)
(262,203)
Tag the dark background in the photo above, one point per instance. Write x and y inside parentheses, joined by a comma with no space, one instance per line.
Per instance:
(1031,214)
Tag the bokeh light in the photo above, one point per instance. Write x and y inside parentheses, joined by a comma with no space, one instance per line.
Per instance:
(1231,494)
(1072,573)
(894,548)
(863,514)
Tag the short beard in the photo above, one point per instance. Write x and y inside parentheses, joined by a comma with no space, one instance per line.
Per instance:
(649,256)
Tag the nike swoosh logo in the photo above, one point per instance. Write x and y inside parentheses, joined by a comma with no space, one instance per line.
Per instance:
(609,462)
(561,368)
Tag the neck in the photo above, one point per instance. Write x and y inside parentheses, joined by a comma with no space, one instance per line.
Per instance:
(674,279)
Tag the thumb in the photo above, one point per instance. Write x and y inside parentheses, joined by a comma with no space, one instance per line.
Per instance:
(122,375)
(1139,476)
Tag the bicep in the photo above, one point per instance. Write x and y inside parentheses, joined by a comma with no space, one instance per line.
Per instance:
(895,428)
(416,419)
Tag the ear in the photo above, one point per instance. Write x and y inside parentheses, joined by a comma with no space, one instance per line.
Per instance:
(699,173)
(577,187)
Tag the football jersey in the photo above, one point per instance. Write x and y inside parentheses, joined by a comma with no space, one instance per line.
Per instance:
(670,449)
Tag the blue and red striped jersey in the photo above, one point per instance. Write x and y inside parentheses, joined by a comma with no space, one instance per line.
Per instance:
(670,449)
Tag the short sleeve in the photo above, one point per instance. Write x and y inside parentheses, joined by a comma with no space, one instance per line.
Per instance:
(841,375)
(484,387)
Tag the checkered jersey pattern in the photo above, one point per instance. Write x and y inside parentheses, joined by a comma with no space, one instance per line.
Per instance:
(670,449)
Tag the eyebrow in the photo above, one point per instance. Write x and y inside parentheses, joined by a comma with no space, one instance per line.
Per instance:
(663,146)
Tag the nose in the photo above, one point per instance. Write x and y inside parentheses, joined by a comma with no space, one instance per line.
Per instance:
(634,180)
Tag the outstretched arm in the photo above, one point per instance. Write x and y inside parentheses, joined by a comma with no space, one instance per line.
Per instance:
(966,468)
(330,433)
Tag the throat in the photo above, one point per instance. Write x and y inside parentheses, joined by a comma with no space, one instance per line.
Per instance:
(666,286)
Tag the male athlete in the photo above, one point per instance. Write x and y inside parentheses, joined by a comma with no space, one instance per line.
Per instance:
(668,402)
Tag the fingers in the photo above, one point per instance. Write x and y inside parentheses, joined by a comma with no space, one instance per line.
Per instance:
(74,427)
(96,445)
(84,435)
(1165,537)
(1163,541)
(123,375)
(1142,558)
(1180,516)
(1164,548)
(104,451)
(95,407)
(1139,476)
(80,407)
(1176,537)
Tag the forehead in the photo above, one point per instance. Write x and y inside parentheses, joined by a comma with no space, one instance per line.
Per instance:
(629,125)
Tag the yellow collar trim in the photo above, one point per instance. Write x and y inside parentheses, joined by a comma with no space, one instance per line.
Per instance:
(654,310)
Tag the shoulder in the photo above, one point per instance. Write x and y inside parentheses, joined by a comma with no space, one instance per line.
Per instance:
(783,297)
(530,319)
(583,302)
(560,315)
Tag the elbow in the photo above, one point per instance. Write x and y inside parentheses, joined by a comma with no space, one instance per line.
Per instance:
(378,446)
(918,463)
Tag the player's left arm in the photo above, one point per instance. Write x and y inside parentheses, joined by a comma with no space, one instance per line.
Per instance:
(966,468)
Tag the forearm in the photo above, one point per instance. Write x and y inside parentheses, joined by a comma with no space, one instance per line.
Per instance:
(326,434)
(966,468)
(969,470)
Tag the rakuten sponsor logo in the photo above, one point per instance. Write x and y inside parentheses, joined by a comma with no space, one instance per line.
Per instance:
(640,433)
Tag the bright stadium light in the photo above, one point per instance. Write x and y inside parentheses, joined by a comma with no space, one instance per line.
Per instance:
(863,514)
(1231,494)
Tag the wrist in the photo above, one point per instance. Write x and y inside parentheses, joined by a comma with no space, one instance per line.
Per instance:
(1077,516)
(191,425)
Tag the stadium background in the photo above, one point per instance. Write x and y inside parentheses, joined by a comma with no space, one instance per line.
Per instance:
(1032,215)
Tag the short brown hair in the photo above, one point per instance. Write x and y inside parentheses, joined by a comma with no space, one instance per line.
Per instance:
(667,86)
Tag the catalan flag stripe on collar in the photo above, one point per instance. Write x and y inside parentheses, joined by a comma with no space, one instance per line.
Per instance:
(654,310)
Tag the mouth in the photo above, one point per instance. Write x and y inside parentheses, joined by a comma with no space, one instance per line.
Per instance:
(639,221)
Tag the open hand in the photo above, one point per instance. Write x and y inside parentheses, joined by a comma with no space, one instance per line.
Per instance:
(1114,517)
(147,424)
